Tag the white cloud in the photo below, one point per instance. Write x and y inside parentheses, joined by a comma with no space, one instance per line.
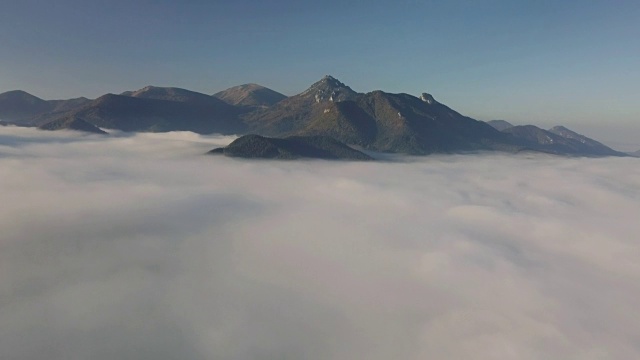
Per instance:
(139,247)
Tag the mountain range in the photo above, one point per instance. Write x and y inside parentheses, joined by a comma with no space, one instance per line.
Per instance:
(557,140)
(375,121)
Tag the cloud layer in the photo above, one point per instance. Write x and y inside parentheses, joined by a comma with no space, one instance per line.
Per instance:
(139,247)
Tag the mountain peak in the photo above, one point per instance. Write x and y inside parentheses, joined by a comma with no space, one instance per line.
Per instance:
(20,95)
(16,93)
(152,91)
(428,98)
(251,95)
(19,106)
(331,81)
(500,124)
(173,94)
(330,89)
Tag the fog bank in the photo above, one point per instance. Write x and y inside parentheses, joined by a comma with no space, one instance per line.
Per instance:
(140,247)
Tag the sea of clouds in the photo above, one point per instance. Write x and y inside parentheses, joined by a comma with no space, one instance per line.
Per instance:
(141,247)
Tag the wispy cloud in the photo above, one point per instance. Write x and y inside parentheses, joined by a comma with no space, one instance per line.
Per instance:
(140,247)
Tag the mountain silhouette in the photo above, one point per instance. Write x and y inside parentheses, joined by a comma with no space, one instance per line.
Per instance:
(294,147)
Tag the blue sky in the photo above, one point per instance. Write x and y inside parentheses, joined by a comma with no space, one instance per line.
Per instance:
(572,62)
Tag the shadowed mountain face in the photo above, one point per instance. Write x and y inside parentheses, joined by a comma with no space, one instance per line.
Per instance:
(19,106)
(148,109)
(499,124)
(72,123)
(559,140)
(130,113)
(67,105)
(158,109)
(250,95)
(294,147)
(61,109)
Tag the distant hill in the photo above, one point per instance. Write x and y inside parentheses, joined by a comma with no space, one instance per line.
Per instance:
(19,106)
(72,123)
(60,109)
(635,153)
(500,124)
(294,147)
(250,95)
(148,109)
(593,146)
(66,105)
(158,109)
(173,94)
(559,140)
